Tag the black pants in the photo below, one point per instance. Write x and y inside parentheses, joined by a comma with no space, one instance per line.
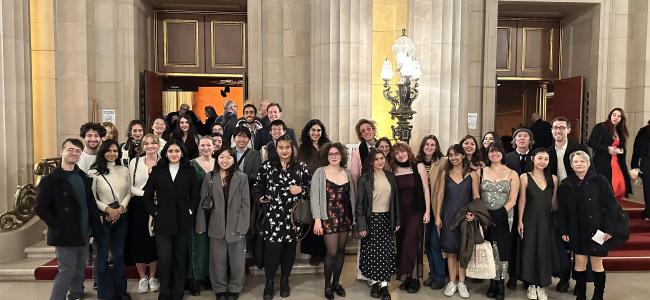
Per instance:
(278,254)
(645,177)
(172,261)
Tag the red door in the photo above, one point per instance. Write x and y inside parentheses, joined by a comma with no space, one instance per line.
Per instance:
(153,97)
(567,102)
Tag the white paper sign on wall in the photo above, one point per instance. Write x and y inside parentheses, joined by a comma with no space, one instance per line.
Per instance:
(472,119)
(108,115)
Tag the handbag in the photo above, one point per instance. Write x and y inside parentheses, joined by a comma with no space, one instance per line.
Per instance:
(482,265)
(207,203)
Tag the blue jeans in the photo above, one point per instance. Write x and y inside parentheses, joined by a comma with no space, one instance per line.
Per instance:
(437,266)
(111,283)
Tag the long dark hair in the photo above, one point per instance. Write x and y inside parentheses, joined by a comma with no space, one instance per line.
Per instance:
(477,157)
(367,167)
(178,133)
(621,128)
(164,161)
(436,154)
(230,171)
(458,148)
(101,164)
(306,148)
(275,159)
(132,145)
(485,150)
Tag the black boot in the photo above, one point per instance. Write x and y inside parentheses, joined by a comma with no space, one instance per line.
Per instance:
(385,295)
(268,290)
(599,285)
(491,292)
(414,286)
(405,284)
(193,287)
(338,289)
(500,290)
(580,289)
(285,291)
(374,290)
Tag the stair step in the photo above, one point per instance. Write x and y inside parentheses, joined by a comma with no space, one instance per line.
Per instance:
(20,270)
(627,260)
(299,267)
(40,250)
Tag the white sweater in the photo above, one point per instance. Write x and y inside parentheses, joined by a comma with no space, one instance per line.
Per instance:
(85,161)
(119,179)
(141,176)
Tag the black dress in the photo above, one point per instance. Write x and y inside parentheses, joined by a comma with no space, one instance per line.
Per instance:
(312,244)
(537,258)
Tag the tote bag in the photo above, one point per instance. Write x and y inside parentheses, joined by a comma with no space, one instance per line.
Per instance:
(481,265)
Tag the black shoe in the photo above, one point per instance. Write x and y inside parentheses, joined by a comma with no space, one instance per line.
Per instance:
(414,286)
(500,290)
(492,290)
(512,283)
(405,284)
(285,291)
(374,291)
(562,286)
(268,290)
(438,284)
(126,296)
(193,287)
(221,296)
(428,282)
(329,294)
(338,289)
(385,295)
(232,296)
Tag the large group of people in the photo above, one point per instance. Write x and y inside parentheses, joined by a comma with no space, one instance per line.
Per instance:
(186,200)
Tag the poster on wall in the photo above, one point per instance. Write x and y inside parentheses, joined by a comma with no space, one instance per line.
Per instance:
(472,119)
(108,115)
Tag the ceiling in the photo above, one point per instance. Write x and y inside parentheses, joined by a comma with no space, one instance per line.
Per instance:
(218,5)
(550,9)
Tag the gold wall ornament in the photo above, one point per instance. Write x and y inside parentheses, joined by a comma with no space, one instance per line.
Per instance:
(25,199)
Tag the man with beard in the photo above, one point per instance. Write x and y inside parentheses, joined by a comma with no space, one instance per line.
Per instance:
(92,134)
(249,121)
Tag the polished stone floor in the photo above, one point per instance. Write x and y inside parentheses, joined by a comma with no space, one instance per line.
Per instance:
(620,286)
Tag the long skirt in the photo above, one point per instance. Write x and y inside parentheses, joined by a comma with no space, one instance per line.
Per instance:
(141,247)
(378,253)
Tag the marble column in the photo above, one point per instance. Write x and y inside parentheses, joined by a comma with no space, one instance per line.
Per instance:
(15,100)
(341,65)
(439,30)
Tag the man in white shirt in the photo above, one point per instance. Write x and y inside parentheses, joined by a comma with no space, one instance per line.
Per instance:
(92,134)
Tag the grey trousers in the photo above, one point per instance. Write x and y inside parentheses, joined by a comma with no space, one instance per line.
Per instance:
(72,261)
(227,258)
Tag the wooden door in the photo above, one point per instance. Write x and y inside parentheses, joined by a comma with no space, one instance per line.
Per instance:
(568,102)
(152,97)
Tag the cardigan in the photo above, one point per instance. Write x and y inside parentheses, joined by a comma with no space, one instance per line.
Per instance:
(318,196)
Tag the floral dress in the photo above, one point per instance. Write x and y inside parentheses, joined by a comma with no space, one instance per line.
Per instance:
(273,182)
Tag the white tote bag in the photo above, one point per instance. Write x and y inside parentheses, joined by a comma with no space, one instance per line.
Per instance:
(481,265)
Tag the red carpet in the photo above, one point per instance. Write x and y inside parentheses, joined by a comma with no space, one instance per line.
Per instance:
(49,270)
(634,255)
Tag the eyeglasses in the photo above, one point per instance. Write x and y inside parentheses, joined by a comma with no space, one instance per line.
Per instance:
(333,154)
(73,150)
(559,128)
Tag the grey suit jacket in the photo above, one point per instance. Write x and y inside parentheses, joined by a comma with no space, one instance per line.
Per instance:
(236,225)
(251,165)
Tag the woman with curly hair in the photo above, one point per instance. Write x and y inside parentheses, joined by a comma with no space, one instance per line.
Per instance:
(312,138)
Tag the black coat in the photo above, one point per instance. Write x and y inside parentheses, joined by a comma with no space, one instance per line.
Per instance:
(365,188)
(263,137)
(599,140)
(541,134)
(174,198)
(570,148)
(57,207)
(597,211)
(512,160)
(641,152)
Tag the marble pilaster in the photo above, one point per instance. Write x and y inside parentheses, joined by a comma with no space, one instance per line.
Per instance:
(341,65)
(15,100)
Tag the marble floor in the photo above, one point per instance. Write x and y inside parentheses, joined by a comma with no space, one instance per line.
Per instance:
(620,286)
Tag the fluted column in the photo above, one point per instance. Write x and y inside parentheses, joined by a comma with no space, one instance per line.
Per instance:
(439,30)
(341,64)
(15,99)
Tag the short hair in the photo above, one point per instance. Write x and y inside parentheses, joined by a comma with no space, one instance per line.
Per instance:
(250,105)
(582,155)
(324,153)
(242,130)
(276,105)
(74,141)
(357,128)
(278,122)
(562,119)
(228,105)
(216,134)
(495,146)
(92,126)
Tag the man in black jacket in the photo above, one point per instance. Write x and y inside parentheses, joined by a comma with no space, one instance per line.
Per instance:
(541,132)
(560,165)
(263,137)
(66,204)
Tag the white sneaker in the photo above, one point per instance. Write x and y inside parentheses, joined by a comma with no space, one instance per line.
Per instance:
(532,292)
(462,290)
(143,285)
(541,293)
(450,289)
(154,284)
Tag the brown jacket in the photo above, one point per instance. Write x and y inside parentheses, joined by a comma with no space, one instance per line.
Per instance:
(470,234)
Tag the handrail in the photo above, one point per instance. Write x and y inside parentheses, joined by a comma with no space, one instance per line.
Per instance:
(25,197)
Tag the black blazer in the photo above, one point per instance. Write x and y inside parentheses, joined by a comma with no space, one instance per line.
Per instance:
(641,153)
(57,206)
(512,160)
(174,198)
(570,148)
(541,134)
(263,137)
(365,188)
(599,140)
